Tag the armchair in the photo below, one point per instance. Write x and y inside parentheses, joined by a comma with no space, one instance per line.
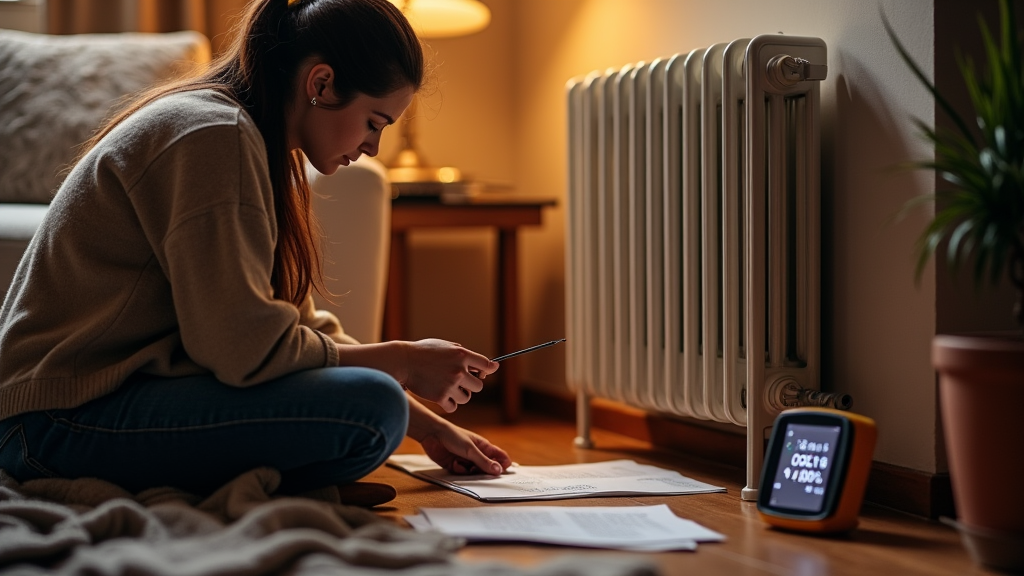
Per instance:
(353,206)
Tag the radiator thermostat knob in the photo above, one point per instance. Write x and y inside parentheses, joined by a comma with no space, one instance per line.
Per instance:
(785,71)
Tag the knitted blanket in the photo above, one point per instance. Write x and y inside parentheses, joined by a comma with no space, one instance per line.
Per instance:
(88,526)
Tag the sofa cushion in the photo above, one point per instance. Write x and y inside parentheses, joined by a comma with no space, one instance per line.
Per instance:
(56,90)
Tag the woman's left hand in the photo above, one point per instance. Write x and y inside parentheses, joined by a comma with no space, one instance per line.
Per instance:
(463,452)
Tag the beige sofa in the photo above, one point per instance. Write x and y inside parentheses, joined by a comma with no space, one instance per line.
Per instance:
(55,90)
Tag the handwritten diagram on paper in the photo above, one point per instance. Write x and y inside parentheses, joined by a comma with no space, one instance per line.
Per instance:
(612,478)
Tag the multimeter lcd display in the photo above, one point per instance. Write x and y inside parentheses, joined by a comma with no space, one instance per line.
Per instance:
(807,458)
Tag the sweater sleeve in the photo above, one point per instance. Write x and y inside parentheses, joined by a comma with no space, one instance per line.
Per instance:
(323,321)
(211,190)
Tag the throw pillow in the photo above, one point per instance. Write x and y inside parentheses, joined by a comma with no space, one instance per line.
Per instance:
(55,91)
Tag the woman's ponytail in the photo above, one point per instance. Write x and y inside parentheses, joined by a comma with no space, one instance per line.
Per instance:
(266,71)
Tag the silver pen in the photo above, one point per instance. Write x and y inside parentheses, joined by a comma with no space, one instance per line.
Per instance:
(525,350)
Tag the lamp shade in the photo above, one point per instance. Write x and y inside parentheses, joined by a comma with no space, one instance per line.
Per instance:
(445,18)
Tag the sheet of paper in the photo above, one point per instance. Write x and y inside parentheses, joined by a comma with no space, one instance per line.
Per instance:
(642,528)
(611,478)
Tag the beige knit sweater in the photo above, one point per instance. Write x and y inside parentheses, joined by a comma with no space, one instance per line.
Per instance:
(155,256)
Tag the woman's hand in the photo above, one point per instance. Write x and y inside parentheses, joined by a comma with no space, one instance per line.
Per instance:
(444,372)
(463,452)
(436,370)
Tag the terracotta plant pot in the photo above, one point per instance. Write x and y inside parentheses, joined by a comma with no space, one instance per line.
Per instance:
(981,393)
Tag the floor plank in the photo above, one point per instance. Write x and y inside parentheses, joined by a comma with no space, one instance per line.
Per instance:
(886,542)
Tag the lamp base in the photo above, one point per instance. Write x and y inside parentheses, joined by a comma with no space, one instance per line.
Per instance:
(409,173)
(423,174)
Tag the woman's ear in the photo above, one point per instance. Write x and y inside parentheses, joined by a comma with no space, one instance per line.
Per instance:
(320,82)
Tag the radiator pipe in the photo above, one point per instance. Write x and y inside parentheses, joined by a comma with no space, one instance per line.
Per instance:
(835,400)
(785,392)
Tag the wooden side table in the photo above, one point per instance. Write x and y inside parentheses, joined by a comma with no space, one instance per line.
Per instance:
(504,212)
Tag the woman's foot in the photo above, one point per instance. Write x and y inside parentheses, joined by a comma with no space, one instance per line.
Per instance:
(362,494)
(366,494)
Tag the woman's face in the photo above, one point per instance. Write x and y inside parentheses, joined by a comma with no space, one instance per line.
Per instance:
(331,137)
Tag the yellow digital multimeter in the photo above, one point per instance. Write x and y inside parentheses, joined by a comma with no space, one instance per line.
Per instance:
(816,470)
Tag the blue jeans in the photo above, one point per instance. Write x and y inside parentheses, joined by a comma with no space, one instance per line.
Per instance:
(317,427)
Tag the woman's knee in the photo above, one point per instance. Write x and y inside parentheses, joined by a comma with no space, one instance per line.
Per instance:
(389,402)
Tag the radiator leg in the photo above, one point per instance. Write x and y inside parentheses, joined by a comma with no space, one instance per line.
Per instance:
(755,460)
(583,421)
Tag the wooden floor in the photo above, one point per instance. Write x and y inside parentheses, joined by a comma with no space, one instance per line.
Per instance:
(886,542)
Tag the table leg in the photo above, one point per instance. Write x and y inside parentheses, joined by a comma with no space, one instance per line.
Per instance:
(394,301)
(508,320)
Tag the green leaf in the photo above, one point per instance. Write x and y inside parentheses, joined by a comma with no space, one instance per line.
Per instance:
(956,237)
(979,198)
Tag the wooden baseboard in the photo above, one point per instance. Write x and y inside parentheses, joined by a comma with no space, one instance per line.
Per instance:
(913,491)
(904,489)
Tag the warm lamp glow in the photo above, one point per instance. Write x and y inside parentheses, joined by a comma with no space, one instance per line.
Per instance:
(445,18)
(433,19)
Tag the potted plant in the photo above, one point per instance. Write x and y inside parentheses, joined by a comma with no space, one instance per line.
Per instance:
(979,220)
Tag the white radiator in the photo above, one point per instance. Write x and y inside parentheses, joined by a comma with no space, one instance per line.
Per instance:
(693,235)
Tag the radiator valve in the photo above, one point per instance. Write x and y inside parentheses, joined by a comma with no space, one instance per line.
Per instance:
(785,71)
(785,392)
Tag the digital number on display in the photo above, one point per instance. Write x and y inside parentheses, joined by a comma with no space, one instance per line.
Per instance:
(801,479)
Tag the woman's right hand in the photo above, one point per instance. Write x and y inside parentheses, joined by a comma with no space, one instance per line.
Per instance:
(444,372)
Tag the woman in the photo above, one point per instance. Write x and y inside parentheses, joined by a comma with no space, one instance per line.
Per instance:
(160,328)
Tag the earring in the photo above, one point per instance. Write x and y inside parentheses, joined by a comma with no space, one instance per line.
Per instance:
(313,101)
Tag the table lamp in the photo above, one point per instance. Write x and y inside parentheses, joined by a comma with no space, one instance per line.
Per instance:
(432,19)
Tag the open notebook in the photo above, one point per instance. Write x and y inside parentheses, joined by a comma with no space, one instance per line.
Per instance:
(611,478)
